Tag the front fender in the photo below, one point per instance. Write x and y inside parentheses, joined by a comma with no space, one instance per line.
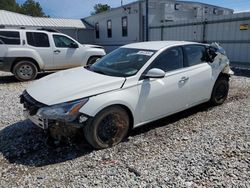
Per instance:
(125,97)
(90,52)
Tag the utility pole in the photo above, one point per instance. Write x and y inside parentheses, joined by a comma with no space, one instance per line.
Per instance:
(121,2)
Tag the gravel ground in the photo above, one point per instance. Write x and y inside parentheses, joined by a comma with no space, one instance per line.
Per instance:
(201,147)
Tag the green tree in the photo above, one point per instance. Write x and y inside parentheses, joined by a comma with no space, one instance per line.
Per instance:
(9,5)
(98,8)
(29,7)
(32,8)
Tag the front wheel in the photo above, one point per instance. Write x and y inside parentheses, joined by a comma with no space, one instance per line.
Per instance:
(92,60)
(108,128)
(25,70)
(220,91)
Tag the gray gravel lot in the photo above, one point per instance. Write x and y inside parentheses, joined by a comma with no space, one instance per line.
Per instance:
(202,147)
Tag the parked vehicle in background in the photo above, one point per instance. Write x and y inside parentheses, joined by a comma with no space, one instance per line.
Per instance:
(27,52)
(133,85)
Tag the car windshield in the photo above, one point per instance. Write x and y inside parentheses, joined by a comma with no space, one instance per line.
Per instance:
(123,62)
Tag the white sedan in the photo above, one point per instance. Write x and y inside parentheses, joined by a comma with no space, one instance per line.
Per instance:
(134,85)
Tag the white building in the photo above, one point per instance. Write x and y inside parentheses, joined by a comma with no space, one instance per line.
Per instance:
(119,26)
(130,23)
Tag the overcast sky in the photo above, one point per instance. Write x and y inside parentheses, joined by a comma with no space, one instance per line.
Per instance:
(82,8)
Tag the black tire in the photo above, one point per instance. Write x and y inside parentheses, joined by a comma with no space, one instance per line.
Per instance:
(92,60)
(108,128)
(220,91)
(25,70)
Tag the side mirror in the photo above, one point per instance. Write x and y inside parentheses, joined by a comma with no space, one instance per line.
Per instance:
(74,45)
(155,73)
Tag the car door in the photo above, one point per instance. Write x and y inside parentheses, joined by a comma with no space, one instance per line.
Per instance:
(39,42)
(200,74)
(161,97)
(67,53)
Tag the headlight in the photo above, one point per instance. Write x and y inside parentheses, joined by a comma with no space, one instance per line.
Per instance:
(67,112)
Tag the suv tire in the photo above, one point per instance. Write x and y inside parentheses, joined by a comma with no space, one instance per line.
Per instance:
(92,60)
(108,128)
(25,70)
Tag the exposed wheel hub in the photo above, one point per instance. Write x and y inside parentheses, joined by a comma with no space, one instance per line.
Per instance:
(108,128)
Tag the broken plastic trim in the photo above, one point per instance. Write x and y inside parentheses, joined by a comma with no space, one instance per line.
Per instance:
(227,70)
(218,48)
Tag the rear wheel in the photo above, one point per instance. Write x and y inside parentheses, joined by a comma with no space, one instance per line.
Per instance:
(108,128)
(220,91)
(25,70)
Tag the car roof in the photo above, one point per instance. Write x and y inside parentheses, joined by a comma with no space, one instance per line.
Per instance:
(28,30)
(157,45)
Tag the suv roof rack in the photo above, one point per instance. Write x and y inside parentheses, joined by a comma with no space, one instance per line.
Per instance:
(49,30)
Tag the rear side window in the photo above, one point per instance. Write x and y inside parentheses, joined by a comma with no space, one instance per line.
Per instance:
(37,39)
(196,54)
(9,37)
(169,60)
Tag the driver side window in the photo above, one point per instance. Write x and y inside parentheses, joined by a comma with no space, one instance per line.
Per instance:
(169,60)
(63,42)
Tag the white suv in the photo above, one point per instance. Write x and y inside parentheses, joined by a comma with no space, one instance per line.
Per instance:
(27,52)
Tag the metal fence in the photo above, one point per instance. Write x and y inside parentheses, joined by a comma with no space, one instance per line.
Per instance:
(232,32)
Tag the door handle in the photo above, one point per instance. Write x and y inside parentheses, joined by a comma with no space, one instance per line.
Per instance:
(57,51)
(183,80)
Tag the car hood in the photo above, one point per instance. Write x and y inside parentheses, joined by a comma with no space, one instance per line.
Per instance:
(93,46)
(72,84)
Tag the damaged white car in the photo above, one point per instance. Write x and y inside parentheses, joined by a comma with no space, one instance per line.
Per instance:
(134,85)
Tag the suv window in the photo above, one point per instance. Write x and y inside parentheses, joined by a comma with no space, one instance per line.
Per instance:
(196,54)
(63,42)
(169,60)
(37,39)
(9,37)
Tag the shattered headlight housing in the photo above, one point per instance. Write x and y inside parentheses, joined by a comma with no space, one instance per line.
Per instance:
(66,112)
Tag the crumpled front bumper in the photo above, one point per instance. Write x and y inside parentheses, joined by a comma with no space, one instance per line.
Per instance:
(42,123)
(58,132)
